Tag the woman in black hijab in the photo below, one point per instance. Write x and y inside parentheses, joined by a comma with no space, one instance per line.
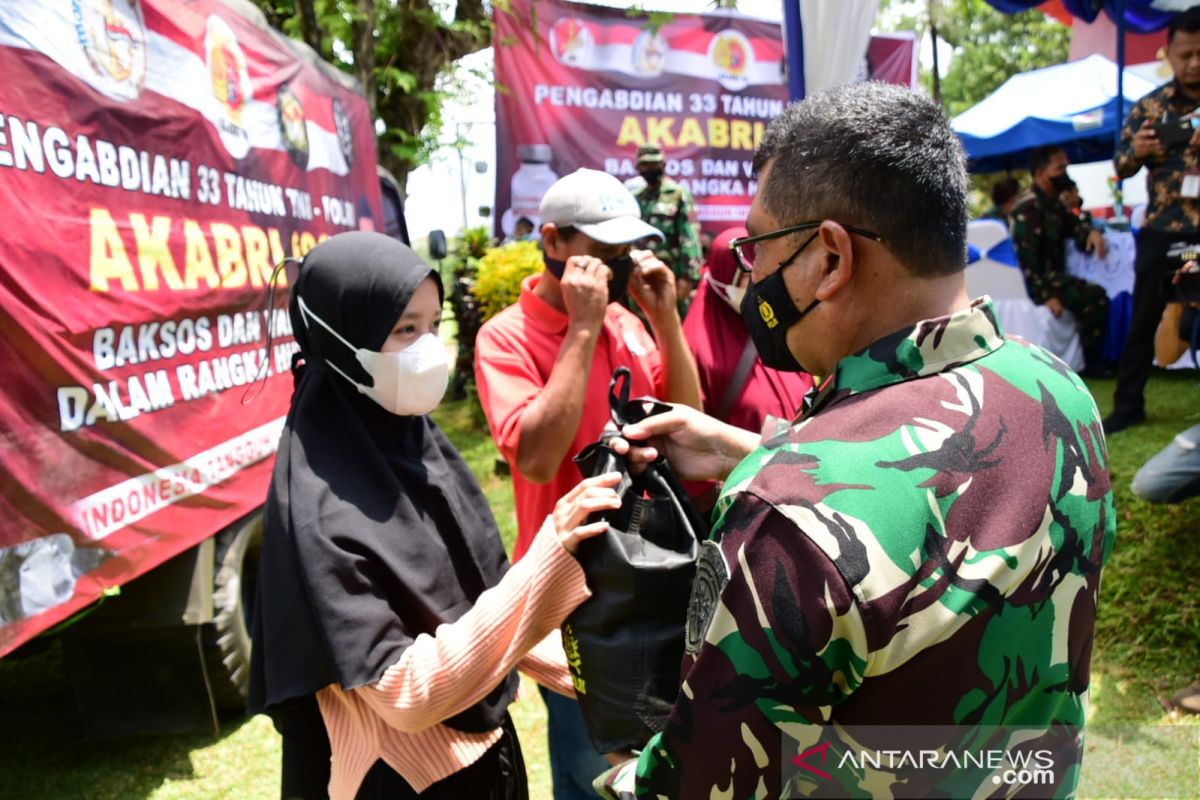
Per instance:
(388,622)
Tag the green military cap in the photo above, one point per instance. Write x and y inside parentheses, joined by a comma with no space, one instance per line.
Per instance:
(649,154)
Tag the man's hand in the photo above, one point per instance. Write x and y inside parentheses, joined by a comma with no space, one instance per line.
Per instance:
(585,291)
(1146,142)
(697,446)
(1056,307)
(1096,244)
(652,285)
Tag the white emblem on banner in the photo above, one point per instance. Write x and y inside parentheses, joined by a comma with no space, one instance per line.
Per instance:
(230,83)
(112,34)
(731,53)
(649,54)
(571,41)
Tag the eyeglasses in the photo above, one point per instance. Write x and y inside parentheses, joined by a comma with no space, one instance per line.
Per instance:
(743,248)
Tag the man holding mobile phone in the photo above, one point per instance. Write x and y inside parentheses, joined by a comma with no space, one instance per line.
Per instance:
(1173,215)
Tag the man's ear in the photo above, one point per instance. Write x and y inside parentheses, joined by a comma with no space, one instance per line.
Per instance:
(550,240)
(837,259)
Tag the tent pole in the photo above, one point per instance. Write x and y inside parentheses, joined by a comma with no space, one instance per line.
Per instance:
(1120,118)
(793,28)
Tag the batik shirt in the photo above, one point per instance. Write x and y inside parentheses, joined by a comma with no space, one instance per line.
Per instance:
(921,547)
(671,208)
(1041,227)
(1167,210)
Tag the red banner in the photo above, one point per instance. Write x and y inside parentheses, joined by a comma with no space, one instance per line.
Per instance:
(157,159)
(584,86)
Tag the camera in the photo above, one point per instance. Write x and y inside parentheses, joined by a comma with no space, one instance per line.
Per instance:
(1174,133)
(1187,289)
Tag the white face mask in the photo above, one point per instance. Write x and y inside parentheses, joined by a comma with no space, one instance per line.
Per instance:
(409,382)
(728,292)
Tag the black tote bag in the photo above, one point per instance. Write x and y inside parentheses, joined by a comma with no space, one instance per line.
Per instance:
(625,643)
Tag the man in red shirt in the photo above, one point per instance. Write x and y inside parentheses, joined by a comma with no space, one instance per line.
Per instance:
(543,367)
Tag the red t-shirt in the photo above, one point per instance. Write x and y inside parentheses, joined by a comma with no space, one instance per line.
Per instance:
(514,354)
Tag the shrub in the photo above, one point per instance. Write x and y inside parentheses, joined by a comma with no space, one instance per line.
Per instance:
(500,272)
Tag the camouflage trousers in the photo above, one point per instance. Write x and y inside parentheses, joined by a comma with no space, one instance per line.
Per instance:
(1089,303)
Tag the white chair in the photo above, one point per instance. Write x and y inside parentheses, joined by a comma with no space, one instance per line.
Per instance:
(1018,314)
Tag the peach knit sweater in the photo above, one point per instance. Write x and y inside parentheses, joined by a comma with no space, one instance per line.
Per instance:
(398,719)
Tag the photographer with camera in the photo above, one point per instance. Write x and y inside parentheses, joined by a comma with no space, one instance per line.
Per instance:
(543,367)
(1160,134)
(1173,474)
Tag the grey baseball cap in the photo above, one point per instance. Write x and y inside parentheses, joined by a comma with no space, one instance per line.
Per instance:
(597,204)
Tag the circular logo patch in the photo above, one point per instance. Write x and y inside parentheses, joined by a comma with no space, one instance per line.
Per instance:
(711,577)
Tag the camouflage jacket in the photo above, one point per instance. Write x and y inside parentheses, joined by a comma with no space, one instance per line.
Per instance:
(1041,227)
(672,210)
(1167,209)
(922,546)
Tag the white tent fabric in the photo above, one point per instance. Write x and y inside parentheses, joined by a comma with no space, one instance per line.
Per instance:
(836,35)
(1018,314)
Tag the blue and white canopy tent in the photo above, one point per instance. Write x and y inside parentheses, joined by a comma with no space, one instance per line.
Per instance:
(1071,104)
(1141,16)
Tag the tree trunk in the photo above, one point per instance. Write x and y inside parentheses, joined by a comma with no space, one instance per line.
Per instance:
(362,32)
(310,32)
(937,77)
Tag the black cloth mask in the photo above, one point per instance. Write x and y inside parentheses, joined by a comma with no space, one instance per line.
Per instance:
(768,312)
(1060,183)
(618,284)
(653,176)
(375,531)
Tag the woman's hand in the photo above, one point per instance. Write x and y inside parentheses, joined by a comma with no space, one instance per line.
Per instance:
(570,513)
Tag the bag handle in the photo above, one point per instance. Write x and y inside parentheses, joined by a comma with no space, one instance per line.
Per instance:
(625,411)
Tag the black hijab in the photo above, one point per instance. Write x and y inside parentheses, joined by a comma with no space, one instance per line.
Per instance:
(375,531)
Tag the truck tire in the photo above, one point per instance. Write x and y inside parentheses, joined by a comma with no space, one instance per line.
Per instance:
(226,636)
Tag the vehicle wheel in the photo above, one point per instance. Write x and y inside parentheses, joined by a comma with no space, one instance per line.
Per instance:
(227,635)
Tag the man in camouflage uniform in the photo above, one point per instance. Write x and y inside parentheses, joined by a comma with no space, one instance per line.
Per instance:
(1041,227)
(923,544)
(1173,214)
(668,206)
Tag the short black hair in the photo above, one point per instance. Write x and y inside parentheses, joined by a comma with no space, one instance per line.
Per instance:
(1040,157)
(1186,21)
(874,155)
(525,221)
(1004,190)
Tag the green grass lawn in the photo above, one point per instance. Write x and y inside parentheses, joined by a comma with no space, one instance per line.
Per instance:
(1147,644)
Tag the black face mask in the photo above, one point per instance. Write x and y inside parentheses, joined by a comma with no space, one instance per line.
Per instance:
(769,313)
(618,284)
(1060,183)
(652,176)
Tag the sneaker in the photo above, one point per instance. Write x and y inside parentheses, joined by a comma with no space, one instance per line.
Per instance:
(1185,701)
(1117,421)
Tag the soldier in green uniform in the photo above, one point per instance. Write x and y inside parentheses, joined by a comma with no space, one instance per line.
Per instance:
(1041,228)
(923,544)
(670,207)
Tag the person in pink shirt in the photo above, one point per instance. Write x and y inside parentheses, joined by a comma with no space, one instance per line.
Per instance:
(388,623)
(737,387)
(543,367)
